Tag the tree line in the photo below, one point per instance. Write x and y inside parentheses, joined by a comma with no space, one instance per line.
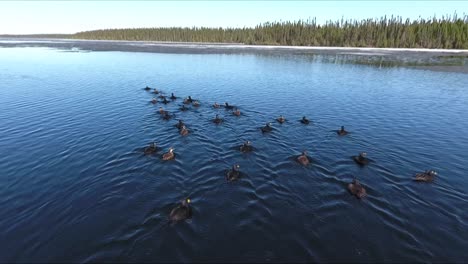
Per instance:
(449,32)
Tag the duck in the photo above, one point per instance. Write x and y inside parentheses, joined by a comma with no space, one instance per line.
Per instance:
(236,112)
(303,159)
(342,131)
(281,119)
(356,189)
(267,128)
(184,131)
(181,212)
(161,96)
(180,124)
(183,108)
(196,103)
(427,176)
(227,106)
(147,88)
(217,119)
(155,91)
(361,159)
(246,147)
(188,100)
(173,97)
(216,105)
(169,155)
(304,120)
(166,115)
(161,111)
(154,100)
(151,148)
(234,173)
(165,101)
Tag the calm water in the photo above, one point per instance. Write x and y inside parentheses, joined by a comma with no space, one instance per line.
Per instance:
(75,185)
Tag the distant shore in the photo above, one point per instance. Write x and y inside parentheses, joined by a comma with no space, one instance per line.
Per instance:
(389,55)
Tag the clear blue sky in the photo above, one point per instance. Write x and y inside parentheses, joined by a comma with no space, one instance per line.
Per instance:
(68,17)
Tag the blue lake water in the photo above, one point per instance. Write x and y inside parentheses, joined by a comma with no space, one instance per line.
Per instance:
(76,186)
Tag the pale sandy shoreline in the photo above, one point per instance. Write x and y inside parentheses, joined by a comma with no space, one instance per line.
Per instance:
(210,45)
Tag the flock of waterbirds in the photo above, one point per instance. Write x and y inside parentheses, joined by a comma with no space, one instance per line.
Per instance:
(183,210)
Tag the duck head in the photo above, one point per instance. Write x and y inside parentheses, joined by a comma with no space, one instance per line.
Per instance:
(186,202)
(362,155)
(235,167)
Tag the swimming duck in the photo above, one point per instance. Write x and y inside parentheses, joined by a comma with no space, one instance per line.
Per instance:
(155,91)
(216,105)
(246,147)
(154,100)
(184,131)
(147,88)
(165,101)
(281,119)
(173,97)
(217,119)
(427,176)
(356,189)
(180,124)
(233,174)
(267,128)
(236,112)
(169,155)
(182,211)
(161,111)
(303,159)
(196,103)
(361,159)
(342,131)
(161,96)
(183,108)
(151,148)
(188,100)
(304,120)
(227,106)
(166,115)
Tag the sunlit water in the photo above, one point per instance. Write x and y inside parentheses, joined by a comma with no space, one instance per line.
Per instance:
(75,185)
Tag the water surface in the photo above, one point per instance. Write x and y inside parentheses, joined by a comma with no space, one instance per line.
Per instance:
(75,185)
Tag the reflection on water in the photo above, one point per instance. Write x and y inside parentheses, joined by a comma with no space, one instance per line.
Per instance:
(76,186)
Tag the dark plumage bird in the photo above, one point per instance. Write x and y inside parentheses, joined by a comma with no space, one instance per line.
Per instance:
(173,97)
(188,100)
(361,159)
(281,119)
(167,116)
(303,159)
(184,131)
(147,88)
(165,101)
(181,212)
(217,120)
(183,108)
(246,147)
(151,148)
(267,128)
(304,120)
(227,106)
(236,112)
(169,155)
(356,189)
(234,173)
(427,176)
(180,124)
(342,131)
